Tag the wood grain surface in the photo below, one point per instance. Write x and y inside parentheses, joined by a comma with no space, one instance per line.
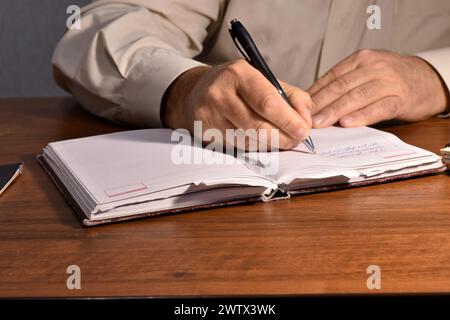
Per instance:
(313,244)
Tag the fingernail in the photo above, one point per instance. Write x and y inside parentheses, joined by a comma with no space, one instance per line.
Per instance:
(318,119)
(301,133)
(347,120)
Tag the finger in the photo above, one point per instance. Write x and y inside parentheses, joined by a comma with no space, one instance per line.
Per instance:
(244,117)
(300,100)
(381,110)
(352,101)
(221,123)
(346,65)
(215,121)
(339,87)
(265,100)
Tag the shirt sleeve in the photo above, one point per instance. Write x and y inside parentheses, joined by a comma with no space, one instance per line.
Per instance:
(126,54)
(440,60)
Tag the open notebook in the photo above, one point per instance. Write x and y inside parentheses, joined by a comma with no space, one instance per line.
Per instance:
(132,174)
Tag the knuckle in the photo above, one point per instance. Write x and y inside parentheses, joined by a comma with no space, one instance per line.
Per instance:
(359,94)
(286,123)
(267,104)
(381,65)
(239,63)
(235,68)
(385,69)
(202,113)
(364,53)
(329,76)
(213,93)
(338,87)
(260,125)
(228,73)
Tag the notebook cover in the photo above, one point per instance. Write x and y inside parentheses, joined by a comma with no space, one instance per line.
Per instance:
(86,222)
(8,173)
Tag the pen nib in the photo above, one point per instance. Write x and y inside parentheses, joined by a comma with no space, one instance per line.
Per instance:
(309,144)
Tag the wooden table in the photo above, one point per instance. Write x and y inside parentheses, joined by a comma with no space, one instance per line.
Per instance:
(313,244)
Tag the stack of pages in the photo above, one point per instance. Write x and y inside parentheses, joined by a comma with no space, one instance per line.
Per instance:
(133,174)
(446,155)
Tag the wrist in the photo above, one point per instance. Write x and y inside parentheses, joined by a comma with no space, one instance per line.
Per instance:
(175,111)
(445,94)
(447,101)
(441,93)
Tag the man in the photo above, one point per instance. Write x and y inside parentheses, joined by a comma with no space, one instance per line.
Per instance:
(133,61)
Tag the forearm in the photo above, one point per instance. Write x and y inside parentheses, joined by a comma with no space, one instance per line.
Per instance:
(125,56)
(174,100)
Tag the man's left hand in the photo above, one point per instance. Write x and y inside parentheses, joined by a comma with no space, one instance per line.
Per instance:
(372,86)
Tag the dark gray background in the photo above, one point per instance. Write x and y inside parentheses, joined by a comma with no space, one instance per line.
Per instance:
(29,31)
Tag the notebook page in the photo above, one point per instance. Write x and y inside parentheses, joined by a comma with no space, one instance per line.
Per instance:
(349,152)
(129,164)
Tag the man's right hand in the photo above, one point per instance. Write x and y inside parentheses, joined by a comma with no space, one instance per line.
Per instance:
(236,95)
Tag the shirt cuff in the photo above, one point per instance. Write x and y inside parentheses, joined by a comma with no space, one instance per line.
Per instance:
(439,59)
(145,87)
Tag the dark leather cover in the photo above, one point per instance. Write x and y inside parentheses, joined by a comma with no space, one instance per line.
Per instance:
(8,173)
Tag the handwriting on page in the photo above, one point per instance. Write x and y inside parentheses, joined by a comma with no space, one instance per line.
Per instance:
(352,151)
